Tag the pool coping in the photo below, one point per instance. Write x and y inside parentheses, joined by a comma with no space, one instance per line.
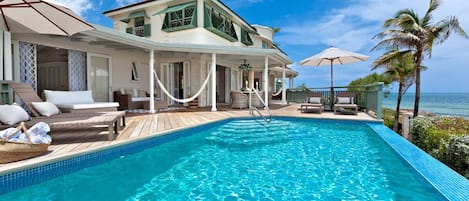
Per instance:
(448,182)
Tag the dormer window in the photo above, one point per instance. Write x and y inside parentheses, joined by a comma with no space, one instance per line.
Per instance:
(179,17)
(139,27)
(219,24)
(245,38)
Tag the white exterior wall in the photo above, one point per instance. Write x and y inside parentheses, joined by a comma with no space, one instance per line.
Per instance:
(265,32)
(121,60)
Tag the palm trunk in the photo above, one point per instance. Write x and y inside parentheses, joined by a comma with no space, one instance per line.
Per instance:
(396,115)
(418,62)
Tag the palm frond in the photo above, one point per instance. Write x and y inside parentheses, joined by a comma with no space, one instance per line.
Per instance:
(434,4)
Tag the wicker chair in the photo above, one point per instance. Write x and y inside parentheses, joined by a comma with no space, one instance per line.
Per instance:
(256,102)
(238,100)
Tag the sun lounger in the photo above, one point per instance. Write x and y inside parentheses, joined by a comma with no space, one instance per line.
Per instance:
(345,104)
(112,120)
(313,103)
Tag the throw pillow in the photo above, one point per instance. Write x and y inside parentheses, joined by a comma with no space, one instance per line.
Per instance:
(46,108)
(122,91)
(315,100)
(135,93)
(343,100)
(12,114)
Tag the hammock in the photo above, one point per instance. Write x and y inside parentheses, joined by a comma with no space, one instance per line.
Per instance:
(279,91)
(186,100)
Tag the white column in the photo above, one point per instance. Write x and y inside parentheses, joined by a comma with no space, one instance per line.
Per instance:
(284,86)
(8,67)
(291,82)
(2,66)
(266,81)
(200,13)
(152,81)
(214,82)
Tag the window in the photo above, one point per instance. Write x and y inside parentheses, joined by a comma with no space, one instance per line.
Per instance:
(179,17)
(264,44)
(134,72)
(219,24)
(245,38)
(140,28)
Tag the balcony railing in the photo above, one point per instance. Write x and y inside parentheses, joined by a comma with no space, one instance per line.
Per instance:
(368,97)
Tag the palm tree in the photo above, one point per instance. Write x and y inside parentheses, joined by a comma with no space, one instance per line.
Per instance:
(406,29)
(400,66)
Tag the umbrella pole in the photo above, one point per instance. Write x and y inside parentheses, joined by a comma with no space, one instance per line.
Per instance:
(332,88)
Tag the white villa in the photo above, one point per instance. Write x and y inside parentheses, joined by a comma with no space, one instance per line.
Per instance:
(182,41)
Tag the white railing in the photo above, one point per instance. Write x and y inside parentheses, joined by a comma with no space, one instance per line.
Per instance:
(252,109)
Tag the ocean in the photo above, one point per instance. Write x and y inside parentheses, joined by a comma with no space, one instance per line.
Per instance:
(448,104)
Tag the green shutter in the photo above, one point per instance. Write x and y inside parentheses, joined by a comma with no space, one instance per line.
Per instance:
(194,17)
(129,30)
(207,17)
(245,38)
(167,27)
(147,30)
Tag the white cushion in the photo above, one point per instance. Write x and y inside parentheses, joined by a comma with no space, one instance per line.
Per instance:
(88,105)
(315,100)
(46,108)
(137,99)
(12,114)
(68,97)
(345,100)
(134,92)
(122,91)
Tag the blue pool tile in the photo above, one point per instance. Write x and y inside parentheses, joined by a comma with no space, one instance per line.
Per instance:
(450,184)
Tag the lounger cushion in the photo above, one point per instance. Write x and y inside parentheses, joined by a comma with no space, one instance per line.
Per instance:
(344,100)
(13,114)
(69,97)
(46,108)
(315,100)
(88,105)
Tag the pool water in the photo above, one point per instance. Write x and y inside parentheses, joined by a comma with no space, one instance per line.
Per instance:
(287,159)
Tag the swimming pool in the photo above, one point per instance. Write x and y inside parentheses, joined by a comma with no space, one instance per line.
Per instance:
(288,159)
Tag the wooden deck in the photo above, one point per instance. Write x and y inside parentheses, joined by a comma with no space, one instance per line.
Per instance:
(70,142)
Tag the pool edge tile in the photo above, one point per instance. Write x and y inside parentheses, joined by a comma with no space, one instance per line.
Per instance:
(449,183)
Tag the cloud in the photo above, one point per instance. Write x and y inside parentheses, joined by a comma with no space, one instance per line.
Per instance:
(125,2)
(352,27)
(80,7)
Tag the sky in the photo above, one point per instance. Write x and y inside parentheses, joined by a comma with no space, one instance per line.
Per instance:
(309,26)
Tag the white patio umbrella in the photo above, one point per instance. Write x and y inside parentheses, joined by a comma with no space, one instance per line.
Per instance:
(40,16)
(331,56)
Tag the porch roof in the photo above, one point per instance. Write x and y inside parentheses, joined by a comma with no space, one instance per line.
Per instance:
(111,35)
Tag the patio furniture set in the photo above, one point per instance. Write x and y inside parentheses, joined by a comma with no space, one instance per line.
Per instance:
(344,104)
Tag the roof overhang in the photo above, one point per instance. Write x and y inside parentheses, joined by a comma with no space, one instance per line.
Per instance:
(109,34)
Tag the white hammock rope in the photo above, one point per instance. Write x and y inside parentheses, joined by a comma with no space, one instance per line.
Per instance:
(279,92)
(186,100)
